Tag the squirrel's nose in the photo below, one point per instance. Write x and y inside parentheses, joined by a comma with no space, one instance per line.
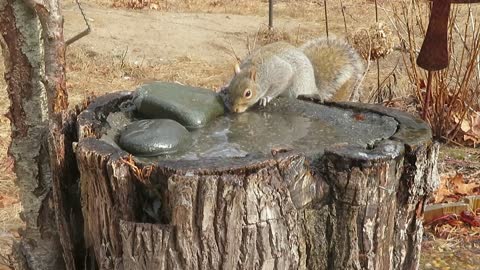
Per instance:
(236,110)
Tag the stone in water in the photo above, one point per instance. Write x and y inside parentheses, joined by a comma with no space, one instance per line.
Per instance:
(190,106)
(154,137)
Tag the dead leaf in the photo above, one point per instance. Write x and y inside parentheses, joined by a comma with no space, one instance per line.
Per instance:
(442,191)
(465,126)
(359,116)
(460,187)
(476,124)
(15,233)
(422,84)
(470,218)
(453,188)
(7,201)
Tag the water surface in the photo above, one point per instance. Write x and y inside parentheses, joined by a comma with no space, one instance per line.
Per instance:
(304,126)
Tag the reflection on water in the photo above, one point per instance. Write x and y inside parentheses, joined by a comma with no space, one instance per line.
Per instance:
(237,135)
(304,127)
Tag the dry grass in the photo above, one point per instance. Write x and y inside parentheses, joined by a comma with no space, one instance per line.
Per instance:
(310,10)
(265,36)
(287,8)
(91,73)
(345,17)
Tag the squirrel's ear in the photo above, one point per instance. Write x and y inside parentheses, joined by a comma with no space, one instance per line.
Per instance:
(253,74)
(237,68)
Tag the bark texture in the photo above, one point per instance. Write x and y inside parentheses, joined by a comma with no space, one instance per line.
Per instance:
(66,197)
(22,50)
(352,208)
(51,20)
(34,53)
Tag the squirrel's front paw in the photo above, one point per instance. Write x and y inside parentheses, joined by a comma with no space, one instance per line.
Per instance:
(264,101)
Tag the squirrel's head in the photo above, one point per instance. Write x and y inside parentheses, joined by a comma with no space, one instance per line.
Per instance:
(242,90)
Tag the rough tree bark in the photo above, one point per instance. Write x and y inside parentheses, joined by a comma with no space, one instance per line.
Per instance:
(352,208)
(34,55)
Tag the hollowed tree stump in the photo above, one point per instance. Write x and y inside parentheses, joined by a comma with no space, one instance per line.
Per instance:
(350,208)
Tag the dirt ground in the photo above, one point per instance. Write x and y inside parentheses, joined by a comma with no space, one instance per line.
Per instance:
(179,43)
(154,37)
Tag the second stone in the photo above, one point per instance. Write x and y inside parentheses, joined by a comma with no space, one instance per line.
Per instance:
(190,106)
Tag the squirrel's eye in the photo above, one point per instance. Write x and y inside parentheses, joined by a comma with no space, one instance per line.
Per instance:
(248,93)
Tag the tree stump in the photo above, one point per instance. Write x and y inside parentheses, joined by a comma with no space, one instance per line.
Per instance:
(350,208)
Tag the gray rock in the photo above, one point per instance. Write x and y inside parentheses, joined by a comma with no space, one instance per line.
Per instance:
(190,106)
(154,137)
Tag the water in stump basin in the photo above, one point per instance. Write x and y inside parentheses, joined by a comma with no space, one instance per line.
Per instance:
(290,124)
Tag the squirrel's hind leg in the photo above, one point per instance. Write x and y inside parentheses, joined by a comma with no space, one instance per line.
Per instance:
(303,82)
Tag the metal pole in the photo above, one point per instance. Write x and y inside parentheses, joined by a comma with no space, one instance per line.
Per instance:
(326,16)
(270,14)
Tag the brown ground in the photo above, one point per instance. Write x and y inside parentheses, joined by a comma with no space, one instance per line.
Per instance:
(128,47)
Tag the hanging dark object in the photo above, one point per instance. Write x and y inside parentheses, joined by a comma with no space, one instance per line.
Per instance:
(434,52)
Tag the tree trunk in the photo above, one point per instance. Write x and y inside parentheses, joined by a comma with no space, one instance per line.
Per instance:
(65,188)
(34,54)
(352,208)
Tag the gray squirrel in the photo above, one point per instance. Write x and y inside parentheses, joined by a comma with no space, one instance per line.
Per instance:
(328,68)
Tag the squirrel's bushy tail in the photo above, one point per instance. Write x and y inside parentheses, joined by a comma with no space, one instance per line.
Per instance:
(338,68)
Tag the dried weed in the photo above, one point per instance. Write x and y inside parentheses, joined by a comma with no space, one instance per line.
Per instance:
(449,96)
